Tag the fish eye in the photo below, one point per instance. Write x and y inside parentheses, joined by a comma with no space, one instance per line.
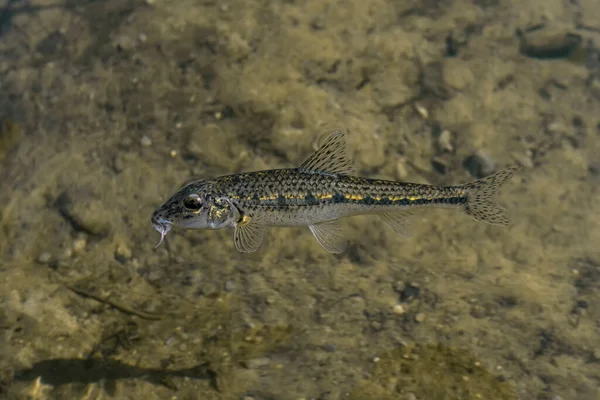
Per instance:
(192,202)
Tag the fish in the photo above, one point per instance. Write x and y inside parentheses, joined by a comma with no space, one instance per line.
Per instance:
(318,194)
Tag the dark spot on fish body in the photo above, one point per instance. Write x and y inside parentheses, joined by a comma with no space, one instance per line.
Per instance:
(385,201)
(368,200)
(256,197)
(281,200)
(310,199)
(403,201)
(338,198)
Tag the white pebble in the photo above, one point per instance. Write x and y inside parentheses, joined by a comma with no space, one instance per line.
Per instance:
(146,141)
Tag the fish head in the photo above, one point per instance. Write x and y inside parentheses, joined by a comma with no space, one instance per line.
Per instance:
(191,208)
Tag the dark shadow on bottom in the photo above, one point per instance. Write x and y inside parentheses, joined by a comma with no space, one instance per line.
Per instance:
(58,372)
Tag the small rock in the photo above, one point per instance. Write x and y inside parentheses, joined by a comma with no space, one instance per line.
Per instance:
(549,43)
(123,252)
(84,210)
(330,348)
(594,168)
(457,74)
(409,292)
(525,160)
(399,309)
(420,317)
(422,111)
(439,165)
(376,326)
(230,286)
(257,363)
(401,172)
(146,141)
(44,258)
(480,164)
(444,142)
(124,42)
(117,164)
(399,286)
(478,311)
(67,253)
(79,244)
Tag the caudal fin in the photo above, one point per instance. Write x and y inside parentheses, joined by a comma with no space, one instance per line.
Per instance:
(481,203)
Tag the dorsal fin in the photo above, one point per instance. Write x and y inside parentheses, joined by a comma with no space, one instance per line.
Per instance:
(331,156)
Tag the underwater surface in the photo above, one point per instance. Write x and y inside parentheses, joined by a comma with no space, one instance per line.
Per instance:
(108,107)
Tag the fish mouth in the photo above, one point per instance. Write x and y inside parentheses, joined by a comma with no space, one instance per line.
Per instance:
(163,227)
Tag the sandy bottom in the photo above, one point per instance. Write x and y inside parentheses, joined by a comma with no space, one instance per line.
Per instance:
(107,107)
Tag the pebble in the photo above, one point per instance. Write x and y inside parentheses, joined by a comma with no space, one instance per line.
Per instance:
(399,286)
(118,164)
(422,111)
(401,172)
(549,43)
(79,244)
(230,286)
(257,363)
(377,326)
(444,142)
(85,211)
(480,164)
(399,309)
(123,252)
(410,292)
(478,311)
(420,317)
(124,42)
(329,347)
(44,258)
(146,141)
(439,165)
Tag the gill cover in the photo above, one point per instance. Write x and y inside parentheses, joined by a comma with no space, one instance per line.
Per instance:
(222,213)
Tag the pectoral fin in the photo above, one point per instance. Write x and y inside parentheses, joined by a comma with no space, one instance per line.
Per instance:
(329,235)
(249,234)
(399,221)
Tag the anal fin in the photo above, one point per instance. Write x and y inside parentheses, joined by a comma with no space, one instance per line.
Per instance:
(399,221)
(330,237)
(249,234)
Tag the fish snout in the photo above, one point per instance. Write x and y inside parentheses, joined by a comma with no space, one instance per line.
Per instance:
(161,224)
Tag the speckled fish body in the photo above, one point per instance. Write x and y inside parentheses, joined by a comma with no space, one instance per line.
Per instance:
(317,194)
(293,197)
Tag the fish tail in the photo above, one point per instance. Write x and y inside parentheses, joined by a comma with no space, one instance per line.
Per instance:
(481,197)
